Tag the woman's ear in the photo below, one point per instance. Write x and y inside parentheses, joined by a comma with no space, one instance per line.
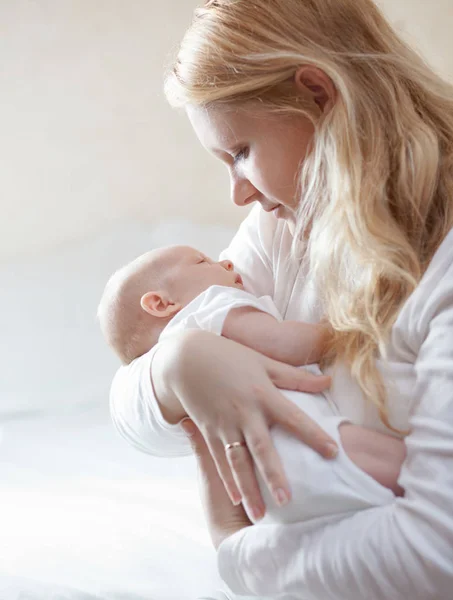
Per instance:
(320,86)
(159,304)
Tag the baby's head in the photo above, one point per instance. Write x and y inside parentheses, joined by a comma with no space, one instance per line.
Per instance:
(140,299)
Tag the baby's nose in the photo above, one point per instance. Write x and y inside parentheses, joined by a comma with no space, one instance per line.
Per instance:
(227,264)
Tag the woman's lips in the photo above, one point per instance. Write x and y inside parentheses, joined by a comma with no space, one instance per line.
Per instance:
(269,210)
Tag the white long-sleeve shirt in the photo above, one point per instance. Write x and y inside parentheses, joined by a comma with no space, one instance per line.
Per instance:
(400,551)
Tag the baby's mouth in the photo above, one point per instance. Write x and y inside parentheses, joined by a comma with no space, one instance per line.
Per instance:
(239,280)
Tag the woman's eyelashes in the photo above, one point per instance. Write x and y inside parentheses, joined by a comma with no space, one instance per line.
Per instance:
(240,155)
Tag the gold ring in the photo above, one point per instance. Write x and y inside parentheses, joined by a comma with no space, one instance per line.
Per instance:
(234,445)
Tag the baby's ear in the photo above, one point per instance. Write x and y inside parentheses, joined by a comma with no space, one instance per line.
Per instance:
(159,304)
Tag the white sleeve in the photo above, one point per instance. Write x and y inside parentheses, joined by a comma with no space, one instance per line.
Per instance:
(210,309)
(136,414)
(133,405)
(401,551)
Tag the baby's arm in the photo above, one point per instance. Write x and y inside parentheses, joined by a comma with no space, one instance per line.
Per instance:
(291,342)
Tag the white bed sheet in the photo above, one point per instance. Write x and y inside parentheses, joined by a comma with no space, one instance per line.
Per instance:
(85,517)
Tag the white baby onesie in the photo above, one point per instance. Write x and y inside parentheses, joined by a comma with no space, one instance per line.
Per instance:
(210,309)
(320,493)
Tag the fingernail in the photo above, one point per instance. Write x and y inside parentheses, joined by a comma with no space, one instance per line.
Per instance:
(331,450)
(281,497)
(257,513)
(235,498)
(188,427)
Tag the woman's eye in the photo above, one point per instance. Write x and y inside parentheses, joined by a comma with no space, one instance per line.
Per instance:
(243,153)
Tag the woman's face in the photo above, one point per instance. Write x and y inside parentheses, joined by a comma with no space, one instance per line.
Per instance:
(263,153)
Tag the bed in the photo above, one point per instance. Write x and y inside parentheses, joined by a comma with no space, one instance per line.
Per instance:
(84,516)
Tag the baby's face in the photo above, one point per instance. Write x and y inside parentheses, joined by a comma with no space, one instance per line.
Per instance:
(193,272)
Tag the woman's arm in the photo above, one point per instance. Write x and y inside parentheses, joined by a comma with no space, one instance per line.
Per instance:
(400,551)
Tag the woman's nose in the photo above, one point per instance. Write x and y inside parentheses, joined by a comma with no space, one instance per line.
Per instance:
(227,265)
(242,191)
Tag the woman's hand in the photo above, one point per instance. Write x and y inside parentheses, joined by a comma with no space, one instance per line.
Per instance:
(230,392)
(222,517)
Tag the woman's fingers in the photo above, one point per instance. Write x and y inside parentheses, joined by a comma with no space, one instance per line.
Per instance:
(241,465)
(297,422)
(222,517)
(211,454)
(234,466)
(290,416)
(207,461)
(296,379)
(267,461)
(217,449)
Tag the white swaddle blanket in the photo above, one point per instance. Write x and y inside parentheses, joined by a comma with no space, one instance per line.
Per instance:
(322,490)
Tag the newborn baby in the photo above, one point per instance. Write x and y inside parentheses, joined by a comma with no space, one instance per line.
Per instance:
(176,288)
(154,295)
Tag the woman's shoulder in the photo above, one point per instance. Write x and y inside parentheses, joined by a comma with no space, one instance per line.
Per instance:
(441,261)
(433,295)
(437,281)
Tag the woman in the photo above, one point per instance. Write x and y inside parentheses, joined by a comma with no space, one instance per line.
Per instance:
(343,138)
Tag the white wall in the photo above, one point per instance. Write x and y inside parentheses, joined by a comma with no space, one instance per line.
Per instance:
(86,136)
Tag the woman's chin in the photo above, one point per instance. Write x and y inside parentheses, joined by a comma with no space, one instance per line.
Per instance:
(284,213)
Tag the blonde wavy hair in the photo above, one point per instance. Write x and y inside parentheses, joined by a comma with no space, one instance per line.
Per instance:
(378,182)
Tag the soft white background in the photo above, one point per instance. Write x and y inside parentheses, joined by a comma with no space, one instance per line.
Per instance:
(86,136)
